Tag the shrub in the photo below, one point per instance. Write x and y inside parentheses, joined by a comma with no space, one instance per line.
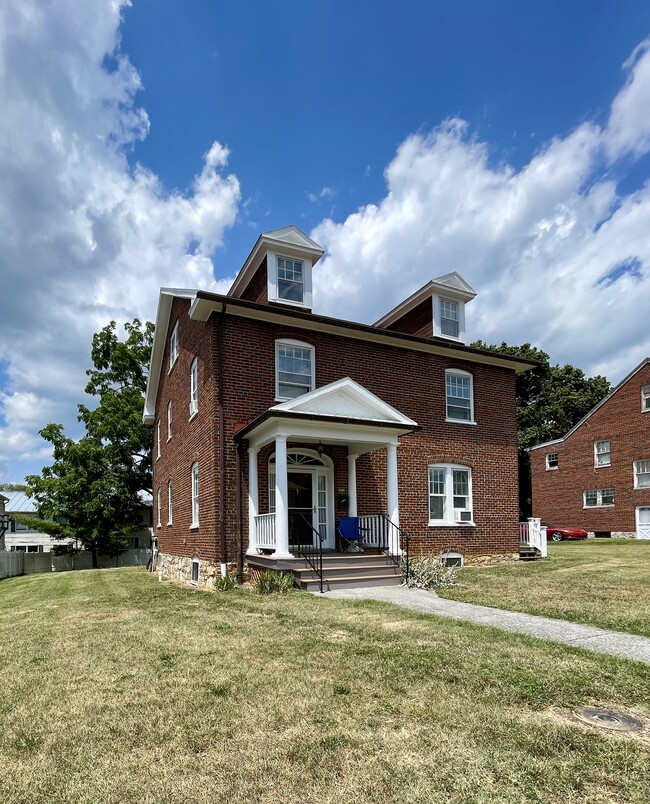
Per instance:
(429,573)
(224,583)
(270,582)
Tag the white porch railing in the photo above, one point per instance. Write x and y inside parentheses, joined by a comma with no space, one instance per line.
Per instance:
(374,530)
(265,531)
(533,533)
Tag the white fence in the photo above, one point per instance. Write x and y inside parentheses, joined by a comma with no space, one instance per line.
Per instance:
(533,533)
(25,563)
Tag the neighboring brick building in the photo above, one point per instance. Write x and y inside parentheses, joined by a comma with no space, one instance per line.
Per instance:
(598,476)
(263,411)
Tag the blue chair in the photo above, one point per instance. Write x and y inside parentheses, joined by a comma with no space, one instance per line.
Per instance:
(350,534)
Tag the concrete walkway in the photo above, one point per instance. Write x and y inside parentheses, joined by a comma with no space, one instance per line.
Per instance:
(627,646)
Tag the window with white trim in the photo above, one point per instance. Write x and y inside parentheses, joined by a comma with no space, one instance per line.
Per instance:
(295,369)
(194,580)
(158,507)
(602,453)
(195,495)
(158,439)
(595,498)
(194,387)
(450,495)
(290,279)
(645,398)
(459,396)
(642,474)
(169,502)
(449,318)
(552,461)
(169,420)
(173,346)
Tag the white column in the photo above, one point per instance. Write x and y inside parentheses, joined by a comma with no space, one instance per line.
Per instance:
(281,500)
(392,497)
(352,485)
(253,502)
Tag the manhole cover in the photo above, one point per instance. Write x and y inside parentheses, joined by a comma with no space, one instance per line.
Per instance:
(608,719)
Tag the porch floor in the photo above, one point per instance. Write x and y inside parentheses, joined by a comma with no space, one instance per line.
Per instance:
(340,570)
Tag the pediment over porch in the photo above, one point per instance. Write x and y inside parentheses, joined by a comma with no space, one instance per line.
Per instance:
(345,399)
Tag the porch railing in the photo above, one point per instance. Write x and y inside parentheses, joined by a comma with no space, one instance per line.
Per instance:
(382,534)
(312,552)
(265,531)
(533,533)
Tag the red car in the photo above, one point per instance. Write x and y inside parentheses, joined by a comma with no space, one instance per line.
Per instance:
(556,534)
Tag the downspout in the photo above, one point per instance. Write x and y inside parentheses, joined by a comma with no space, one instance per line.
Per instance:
(222,448)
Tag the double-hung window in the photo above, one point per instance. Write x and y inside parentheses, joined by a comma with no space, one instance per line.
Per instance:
(450,495)
(459,396)
(449,318)
(602,453)
(169,502)
(552,460)
(173,346)
(642,474)
(595,498)
(194,387)
(158,507)
(195,495)
(645,398)
(158,439)
(169,420)
(291,281)
(295,371)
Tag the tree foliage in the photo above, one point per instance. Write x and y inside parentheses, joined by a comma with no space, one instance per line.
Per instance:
(94,484)
(550,401)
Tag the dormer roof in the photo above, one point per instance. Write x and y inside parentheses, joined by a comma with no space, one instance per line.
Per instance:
(289,241)
(451,286)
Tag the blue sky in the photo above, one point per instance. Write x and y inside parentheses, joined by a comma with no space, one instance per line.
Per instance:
(150,144)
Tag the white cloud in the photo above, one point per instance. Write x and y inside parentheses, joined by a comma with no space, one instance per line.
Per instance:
(535,242)
(326,193)
(85,239)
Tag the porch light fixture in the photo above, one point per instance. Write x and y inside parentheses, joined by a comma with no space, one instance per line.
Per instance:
(320,449)
(5,521)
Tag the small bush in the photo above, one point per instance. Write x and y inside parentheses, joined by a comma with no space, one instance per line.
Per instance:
(225,583)
(429,573)
(270,582)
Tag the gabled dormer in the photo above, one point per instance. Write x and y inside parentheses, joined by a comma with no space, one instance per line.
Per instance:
(279,270)
(436,310)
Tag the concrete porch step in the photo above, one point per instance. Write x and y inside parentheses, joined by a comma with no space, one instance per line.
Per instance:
(350,582)
(343,570)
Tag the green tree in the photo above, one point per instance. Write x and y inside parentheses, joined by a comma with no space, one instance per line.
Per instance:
(93,485)
(550,401)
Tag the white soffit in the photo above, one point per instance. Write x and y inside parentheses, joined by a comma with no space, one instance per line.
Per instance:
(345,399)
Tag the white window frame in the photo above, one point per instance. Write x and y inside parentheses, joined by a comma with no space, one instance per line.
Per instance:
(196,564)
(454,309)
(644,464)
(451,514)
(169,503)
(169,420)
(602,448)
(194,388)
(437,317)
(195,495)
(272,279)
(464,375)
(158,439)
(158,508)
(645,399)
(549,455)
(599,498)
(173,347)
(298,345)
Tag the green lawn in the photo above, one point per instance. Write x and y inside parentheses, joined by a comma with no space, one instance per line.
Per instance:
(599,582)
(118,688)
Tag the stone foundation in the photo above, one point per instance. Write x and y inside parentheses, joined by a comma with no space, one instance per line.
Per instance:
(179,569)
(491,560)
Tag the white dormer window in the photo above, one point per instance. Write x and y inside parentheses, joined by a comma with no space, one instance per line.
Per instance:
(449,318)
(289,280)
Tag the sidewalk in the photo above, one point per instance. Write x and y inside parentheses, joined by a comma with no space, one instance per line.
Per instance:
(626,646)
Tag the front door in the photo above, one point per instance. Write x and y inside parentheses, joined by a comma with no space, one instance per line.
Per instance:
(643,522)
(301,505)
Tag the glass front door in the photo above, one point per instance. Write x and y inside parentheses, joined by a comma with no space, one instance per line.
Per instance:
(300,504)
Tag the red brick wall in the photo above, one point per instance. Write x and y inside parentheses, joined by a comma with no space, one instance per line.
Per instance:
(412,382)
(558,493)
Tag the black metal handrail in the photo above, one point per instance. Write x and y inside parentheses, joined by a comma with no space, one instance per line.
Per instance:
(313,555)
(404,539)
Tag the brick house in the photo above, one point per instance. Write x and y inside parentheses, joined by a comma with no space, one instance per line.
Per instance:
(271,422)
(598,476)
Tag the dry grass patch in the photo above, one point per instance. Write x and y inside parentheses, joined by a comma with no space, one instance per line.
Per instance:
(605,583)
(236,697)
